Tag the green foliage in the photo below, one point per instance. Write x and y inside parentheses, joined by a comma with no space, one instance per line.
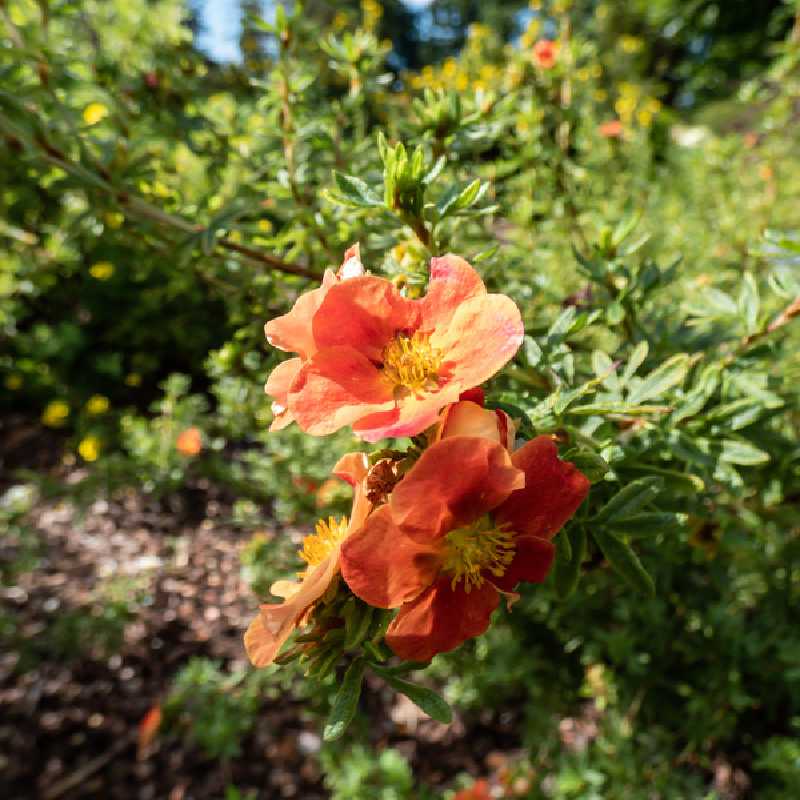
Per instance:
(215,708)
(157,209)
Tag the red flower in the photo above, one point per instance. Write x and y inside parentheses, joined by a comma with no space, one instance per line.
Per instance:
(545,52)
(276,621)
(383,363)
(468,522)
(612,129)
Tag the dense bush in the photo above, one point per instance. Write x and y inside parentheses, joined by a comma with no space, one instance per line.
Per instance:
(158,208)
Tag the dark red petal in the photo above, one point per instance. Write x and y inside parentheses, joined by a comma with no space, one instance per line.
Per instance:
(553,491)
(474,395)
(454,482)
(532,561)
(383,566)
(440,619)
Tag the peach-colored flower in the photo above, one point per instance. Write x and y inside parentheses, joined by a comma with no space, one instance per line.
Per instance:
(386,364)
(189,442)
(612,129)
(293,332)
(545,53)
(468,521)
(276,621)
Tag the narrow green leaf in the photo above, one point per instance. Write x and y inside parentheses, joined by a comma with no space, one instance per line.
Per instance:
(568,567)
(649,523)
(671,373)
(624,561)
(638,356)
(357,625)
(346,701)
(630,499)
(428,700)
(735,451)
(356,192)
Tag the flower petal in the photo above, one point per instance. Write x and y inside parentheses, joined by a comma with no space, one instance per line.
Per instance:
(351,263)
(352,467)
(293,331)
(385,567)
(412,415)
(364,313)
(454,482)
(335,388)
(275,622)
(452,282)
(553,491)
(533,558)
(440,619)
(467,418)
(483,334)
(277,387)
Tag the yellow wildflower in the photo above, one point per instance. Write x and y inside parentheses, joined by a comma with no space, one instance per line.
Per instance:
(265,226)
(13,382)
(55,414)
(89,448)
(114,219)
(133,379)
(97,404)
(102,270)
(94,112)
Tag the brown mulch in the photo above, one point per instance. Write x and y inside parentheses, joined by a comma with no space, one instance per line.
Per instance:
(68,726)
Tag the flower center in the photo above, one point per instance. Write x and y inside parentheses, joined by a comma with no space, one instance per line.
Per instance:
(475,549)
(318,546)
(411,363)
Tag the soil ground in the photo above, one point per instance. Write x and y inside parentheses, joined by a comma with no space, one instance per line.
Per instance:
(69,717)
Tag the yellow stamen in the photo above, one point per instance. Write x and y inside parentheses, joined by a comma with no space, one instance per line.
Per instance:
(318,546)
(475,549)
(411,363)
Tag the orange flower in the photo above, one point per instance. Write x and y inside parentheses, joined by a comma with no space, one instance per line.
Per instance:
(293,332)
(478,791)
(189,442)
(612,129)
(470,418)
(386,364)
(275,622)
(468,522)
(545,52)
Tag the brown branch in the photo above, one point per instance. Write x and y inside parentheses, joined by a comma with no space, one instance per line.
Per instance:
(138,206)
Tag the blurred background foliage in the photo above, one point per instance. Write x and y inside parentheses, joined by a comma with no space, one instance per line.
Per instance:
(637,194)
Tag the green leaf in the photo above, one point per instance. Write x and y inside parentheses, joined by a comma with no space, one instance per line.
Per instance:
(356,192)
(570,552)
(357,621)
(624,561)
(428,700)
(630,498)
(735,451)
(671,373)
(749,302)
(649,523)
(346,701)
(636,360)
